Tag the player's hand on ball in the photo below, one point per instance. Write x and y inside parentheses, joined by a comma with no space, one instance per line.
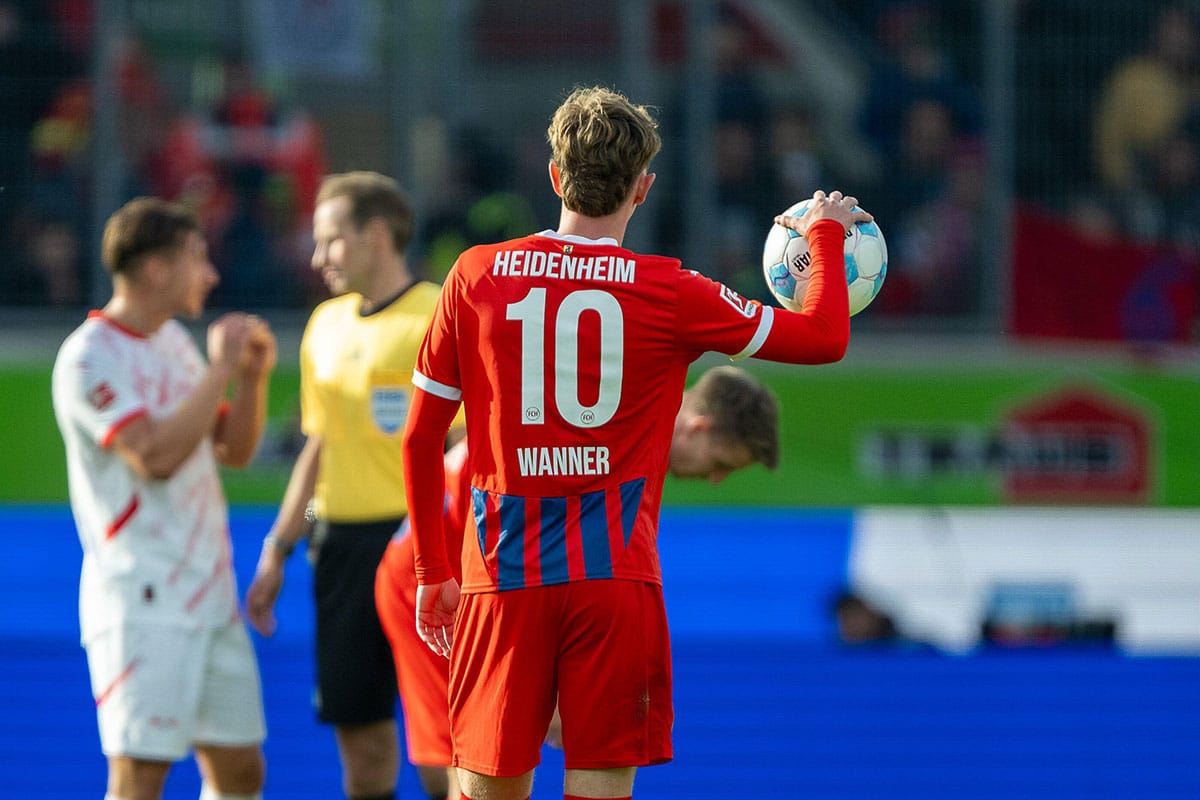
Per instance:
(834,205)
(786,259)
(436,604)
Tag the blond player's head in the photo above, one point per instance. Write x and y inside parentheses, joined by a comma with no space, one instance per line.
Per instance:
(601,144)
(372,196)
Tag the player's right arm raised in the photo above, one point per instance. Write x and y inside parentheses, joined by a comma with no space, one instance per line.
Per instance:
(820,332)
(155,448)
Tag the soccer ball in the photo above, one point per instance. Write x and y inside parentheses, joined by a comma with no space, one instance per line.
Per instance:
(786,262)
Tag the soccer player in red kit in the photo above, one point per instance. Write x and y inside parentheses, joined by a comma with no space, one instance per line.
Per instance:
(727,421)
(570,354)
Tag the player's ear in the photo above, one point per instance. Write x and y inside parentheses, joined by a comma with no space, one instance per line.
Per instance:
(555,179)
(698,423)
(643,187)
(378,231)
(155,270)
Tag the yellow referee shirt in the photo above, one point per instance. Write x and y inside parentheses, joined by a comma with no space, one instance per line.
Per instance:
(355,390)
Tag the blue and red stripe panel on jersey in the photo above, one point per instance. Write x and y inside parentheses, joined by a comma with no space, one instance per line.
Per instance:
(541,541)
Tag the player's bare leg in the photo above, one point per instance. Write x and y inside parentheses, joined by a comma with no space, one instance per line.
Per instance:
(136,779)
(599,782)
(439,782)
(370,758)
(489,787)
(239,771)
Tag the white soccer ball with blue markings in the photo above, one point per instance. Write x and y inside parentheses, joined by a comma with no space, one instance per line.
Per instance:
(786,262)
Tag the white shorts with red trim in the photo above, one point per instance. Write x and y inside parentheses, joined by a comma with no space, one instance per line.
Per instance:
(162,689)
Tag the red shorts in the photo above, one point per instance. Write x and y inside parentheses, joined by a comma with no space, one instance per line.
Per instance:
(600,646)
(421,674)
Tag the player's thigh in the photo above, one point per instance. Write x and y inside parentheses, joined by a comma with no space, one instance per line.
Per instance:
(230,710)
(502,679)
(147,681)
(356,679)
(232,770)
(614,677)
(135,778)
(474,784)
(599,782)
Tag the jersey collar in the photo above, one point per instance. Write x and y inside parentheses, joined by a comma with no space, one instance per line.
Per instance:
(97,314)
(570,237)
(387,301)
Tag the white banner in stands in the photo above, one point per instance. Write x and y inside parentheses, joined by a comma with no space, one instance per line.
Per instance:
(941,572)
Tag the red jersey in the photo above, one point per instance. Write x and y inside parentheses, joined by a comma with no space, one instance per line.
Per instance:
(571,356)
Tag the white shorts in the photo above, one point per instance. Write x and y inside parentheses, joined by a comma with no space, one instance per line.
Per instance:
(161,689)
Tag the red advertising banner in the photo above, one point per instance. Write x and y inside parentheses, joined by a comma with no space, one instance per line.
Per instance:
(1068,286)
(1078,446)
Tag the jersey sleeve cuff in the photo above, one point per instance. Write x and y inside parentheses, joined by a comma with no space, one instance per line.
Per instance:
(107,440)
(830,224)
(765,321)
(434,576)
(433,387)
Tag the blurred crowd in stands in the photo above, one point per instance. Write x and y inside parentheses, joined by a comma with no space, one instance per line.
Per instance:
(247,166)
(1147,134)
(1110,141)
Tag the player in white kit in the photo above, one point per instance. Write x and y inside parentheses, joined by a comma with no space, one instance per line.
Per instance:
(145,420)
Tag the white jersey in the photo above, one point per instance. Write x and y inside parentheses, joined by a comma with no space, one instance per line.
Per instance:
(153,550)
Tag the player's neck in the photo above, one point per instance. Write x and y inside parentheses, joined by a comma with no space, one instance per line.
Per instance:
(130,312)
(390,281)
(572,223)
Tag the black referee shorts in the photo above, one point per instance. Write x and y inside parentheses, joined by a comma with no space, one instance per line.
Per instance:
(356,677)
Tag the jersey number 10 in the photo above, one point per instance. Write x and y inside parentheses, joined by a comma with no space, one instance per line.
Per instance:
(531,313)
